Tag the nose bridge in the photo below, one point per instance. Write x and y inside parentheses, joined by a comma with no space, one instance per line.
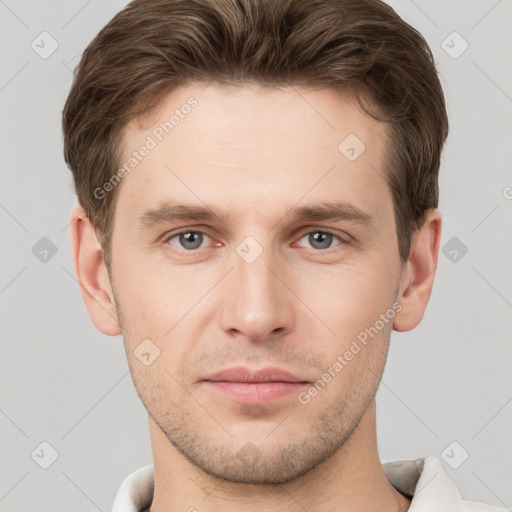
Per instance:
(258,304)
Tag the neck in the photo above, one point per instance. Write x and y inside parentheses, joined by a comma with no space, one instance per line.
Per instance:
(350,480)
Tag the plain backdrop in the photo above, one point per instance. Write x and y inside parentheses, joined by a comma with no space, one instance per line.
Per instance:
(447,388)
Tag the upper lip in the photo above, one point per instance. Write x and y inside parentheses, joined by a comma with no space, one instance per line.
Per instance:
(241,374)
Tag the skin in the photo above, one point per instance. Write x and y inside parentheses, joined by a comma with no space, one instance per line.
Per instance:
(255,154)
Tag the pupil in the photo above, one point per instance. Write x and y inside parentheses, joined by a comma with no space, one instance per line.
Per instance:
(322,239)
(191,238)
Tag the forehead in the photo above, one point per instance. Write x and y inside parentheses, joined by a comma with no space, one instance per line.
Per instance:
(244,146)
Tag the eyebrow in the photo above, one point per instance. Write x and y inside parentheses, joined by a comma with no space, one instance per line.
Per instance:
(169,212)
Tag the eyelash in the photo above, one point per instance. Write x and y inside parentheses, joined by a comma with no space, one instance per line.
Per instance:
(197,251)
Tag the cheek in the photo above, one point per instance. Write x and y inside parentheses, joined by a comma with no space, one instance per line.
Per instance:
(156,387)
(154,297)
(349,299)
(165,305)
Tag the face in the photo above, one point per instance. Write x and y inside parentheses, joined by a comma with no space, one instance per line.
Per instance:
(246,237)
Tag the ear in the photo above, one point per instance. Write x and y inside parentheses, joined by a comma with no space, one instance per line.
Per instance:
(92,274)
(418,273)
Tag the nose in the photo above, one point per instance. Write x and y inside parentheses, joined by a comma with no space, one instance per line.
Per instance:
(258,304)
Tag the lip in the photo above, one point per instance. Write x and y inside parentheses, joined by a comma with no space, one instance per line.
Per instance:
(255,387)
(242,374)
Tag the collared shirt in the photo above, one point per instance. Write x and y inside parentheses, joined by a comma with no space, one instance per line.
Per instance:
(423,480)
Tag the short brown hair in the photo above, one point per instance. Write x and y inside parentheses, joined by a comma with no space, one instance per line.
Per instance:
(359,46)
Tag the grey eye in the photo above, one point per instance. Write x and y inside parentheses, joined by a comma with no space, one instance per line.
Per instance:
(188,240)
(320,239)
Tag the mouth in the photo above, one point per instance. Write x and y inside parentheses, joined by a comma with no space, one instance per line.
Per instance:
(255,387)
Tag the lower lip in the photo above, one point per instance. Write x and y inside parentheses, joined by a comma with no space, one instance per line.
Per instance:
(256,392)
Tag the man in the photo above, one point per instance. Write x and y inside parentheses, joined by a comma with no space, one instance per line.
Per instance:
(258,211)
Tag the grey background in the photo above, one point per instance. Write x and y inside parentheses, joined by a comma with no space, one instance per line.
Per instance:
(64,382)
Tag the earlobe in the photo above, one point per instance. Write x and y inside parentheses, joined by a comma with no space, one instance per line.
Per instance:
(92,274)
(418,274)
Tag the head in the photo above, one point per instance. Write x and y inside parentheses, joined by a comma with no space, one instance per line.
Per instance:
(258,184)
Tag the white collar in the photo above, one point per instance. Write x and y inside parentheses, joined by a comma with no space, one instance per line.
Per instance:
(423,480)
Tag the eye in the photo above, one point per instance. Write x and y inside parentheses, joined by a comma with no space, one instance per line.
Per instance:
(193,240)
(188,240)
(320,240)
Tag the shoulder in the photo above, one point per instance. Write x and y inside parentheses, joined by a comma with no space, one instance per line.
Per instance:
(427,483)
